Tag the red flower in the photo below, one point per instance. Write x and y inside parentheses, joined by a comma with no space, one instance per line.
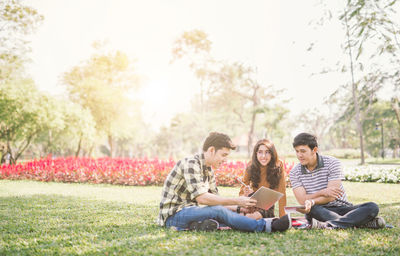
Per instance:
(123,171)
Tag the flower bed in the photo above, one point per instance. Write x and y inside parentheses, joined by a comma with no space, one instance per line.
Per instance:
(122,171)
(141,172)
(102,170)
(372,174)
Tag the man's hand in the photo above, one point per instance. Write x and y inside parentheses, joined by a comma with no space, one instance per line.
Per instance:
(244,201)
(307,204)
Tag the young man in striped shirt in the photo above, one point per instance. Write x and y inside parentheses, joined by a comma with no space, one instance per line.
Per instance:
(190,197)
(317,183)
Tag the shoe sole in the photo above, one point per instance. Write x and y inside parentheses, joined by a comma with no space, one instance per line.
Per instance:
(379,223)
(206,225)
(316,224)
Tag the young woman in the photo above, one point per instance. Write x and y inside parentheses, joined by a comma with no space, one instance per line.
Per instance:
(265,169)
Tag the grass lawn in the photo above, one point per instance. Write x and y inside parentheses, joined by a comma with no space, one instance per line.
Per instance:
(388,161)
(57,218)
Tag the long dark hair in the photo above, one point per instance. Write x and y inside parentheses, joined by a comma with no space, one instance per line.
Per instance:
(274,169)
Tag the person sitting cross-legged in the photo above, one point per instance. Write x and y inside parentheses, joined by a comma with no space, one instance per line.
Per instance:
(190,200)
(317,183)
(265,169)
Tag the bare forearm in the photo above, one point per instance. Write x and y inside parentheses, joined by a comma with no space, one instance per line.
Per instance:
(211,199)
(302,196)
(323,200)
(323,196)
(316,195)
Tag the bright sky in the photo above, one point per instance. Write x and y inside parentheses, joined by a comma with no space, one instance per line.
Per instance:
(270,35)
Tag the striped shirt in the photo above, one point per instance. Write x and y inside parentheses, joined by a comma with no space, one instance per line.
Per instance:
(328,169)
(188,179)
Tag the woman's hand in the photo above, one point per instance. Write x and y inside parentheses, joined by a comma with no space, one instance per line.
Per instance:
(247,191)
(247,210)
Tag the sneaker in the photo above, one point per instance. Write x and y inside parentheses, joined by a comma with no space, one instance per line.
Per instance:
(205,225)
(316,224)
(377,222)
(281,224)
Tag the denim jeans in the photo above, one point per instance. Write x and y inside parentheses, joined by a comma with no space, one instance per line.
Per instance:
(184,217)
(345,216)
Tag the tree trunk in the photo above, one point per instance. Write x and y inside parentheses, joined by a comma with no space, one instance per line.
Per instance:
(90,151)
(110,142)
(79,146)
(49,144)
(355,94)
(253,121)
(250,136)
(21,150)
(395,106)
(3,156)
(9,154)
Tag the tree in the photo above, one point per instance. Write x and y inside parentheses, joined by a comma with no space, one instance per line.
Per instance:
(21,118)
(381,114)
(366,22)
(196,46)
(234,88)
(102,85)
(230,87)
(68,129)
(316,123)
(16,21)
(368,25)
(354,90)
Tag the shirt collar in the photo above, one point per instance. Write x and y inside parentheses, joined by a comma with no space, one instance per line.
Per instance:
(320,164)
(203,163)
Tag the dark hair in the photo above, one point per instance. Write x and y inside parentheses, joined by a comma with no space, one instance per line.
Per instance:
(274,169)
(305,139)
(218,141)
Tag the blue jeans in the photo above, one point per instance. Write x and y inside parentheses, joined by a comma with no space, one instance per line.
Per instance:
(184,217)
(344,216)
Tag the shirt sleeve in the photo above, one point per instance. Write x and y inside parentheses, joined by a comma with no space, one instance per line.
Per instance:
(294,177)
(194,179)
(335,170)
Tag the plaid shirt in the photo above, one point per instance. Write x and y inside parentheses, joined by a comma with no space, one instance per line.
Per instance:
(188,179)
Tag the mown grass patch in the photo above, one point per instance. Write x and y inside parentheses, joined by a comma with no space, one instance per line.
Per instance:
(82,219)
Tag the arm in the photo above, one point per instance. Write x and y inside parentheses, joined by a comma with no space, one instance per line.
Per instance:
(323,196)
(211,199)
(246,180)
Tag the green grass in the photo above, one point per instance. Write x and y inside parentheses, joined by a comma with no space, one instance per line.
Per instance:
(390,161)
(57,218)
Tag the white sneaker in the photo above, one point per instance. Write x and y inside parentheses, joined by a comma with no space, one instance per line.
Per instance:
(377,222)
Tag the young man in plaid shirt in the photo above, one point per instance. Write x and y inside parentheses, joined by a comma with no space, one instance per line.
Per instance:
(191,183)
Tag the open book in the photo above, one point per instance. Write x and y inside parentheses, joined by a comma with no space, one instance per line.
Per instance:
(266,197)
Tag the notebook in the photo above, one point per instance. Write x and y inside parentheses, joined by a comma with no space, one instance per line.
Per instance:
(266,197)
